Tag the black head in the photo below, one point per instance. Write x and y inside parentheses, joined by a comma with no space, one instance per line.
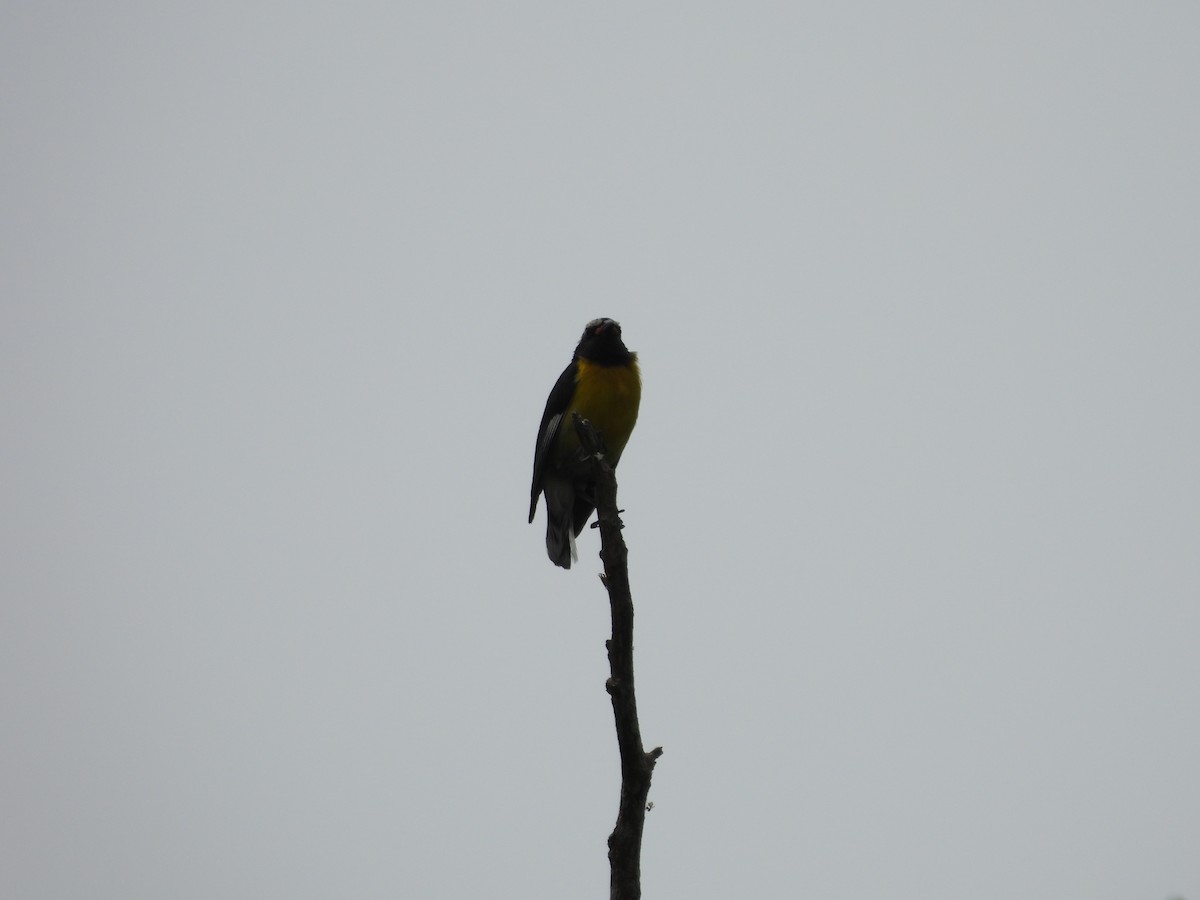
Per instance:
(601,343)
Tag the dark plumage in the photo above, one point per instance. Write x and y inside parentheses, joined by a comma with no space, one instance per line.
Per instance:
(601,383)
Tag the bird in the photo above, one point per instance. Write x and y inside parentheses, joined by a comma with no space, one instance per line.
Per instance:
(603,384)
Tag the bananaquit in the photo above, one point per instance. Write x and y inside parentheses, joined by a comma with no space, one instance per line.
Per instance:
(603,385)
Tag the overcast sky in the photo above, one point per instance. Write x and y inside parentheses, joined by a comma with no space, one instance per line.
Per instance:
(913,505)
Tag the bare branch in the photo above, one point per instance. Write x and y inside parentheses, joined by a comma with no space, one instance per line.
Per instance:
(637,766)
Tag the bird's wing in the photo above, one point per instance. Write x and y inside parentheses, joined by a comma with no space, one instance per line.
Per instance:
(556,407)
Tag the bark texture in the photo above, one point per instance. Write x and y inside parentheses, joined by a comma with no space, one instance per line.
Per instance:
(637,765)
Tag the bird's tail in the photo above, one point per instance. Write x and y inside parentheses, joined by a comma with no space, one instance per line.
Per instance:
(560,544)
(560,533)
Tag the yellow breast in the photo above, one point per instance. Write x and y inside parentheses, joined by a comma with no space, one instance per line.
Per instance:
(607,396)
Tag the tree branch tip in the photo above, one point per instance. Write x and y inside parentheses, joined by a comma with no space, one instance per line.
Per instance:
(654,754)
(591,442)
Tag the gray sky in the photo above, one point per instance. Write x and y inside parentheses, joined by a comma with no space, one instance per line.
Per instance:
(913,504)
